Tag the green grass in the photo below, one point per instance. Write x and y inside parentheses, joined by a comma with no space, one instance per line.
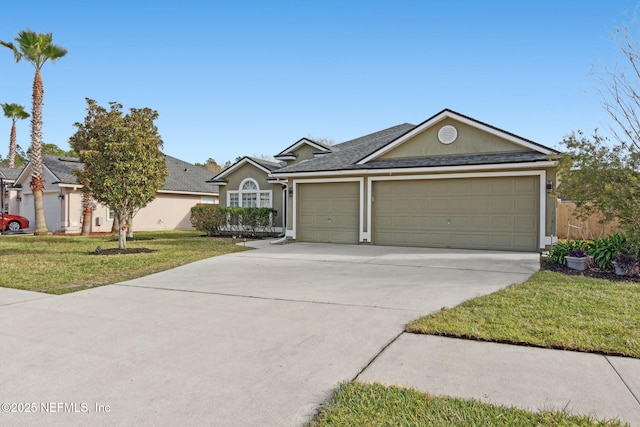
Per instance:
(61,264)
(549,310)
(357,404)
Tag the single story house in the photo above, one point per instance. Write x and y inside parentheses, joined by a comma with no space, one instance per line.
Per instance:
(451,181)
(185,186)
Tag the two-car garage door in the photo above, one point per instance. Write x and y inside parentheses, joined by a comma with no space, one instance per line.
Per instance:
(480,213)
(469,213)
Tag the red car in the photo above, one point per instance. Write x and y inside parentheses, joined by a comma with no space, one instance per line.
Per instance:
(14,222)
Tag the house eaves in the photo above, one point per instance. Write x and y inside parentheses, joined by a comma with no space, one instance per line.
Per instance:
(422,170)
(264,165)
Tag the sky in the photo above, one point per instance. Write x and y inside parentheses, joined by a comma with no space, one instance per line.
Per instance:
(235,78)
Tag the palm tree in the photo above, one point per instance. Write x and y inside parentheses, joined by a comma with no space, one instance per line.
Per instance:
(87,210)
(14,112)
(36,49)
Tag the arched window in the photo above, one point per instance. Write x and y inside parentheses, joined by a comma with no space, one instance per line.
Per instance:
(249,192)
(249,195)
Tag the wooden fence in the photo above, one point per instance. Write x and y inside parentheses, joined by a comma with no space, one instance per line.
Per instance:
(570,227)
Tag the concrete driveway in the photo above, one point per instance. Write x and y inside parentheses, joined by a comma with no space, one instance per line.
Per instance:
(254,338)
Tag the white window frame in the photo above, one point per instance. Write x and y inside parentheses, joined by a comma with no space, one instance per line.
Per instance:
(260,203)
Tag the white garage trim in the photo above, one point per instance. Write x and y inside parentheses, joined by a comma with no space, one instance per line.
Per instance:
(292,233)
(541,173)
(431,169)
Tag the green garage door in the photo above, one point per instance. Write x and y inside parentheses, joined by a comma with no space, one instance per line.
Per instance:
(472,213)
(328,212)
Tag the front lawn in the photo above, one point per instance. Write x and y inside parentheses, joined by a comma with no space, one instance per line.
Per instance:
(357,404)
(550,310)
(61,264)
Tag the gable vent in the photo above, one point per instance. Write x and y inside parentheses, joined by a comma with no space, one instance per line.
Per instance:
(447,134)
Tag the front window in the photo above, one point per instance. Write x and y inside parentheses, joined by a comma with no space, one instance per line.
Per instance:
(249,196)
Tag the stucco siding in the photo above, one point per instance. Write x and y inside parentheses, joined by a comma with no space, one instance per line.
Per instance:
(304,152)
(249,171)
(470,140)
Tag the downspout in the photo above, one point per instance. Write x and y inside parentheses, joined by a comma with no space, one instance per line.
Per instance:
(283,236)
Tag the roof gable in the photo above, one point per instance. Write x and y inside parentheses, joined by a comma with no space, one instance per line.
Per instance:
(346,153)
(292,150)
(264,165)
(473,137)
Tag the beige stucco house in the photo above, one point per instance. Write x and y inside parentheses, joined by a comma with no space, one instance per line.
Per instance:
(451,181)
(184,187)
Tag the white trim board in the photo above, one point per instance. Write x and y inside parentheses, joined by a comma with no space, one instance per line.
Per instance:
(292,233)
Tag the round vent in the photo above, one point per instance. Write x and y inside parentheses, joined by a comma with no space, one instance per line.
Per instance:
(447,134)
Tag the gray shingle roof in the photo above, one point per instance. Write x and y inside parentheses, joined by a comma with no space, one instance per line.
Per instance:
(63,167)
(457,160)
(349,152)
(182,176)
(267,164)
(10,174)
(186,177)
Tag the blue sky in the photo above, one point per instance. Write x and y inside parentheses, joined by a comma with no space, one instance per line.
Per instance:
(232,78)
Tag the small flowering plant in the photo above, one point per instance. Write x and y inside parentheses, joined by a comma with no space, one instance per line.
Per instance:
(578,253)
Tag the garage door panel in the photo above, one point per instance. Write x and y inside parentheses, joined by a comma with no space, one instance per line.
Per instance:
(329,212)
(479,213)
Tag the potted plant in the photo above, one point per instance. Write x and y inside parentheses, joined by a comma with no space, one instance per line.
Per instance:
(577,259)
(625,264)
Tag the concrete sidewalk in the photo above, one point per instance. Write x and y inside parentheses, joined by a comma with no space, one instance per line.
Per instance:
(531,378)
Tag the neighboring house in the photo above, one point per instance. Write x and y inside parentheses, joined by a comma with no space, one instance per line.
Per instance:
(8,177)
(184,188)
(451,181)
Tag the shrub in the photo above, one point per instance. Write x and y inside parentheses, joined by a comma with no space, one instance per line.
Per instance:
(207,218)
(604,250)
(213,219)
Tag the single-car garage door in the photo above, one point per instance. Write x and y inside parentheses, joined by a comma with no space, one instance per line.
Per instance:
(328,212)
(472,213)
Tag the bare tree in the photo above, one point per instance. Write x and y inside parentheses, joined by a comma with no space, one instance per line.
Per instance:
(620,92)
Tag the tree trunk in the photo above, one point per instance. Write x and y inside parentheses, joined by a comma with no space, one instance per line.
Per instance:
(116,225)
(35,154)
(122,230)
(130,228)
(37,201)
(87,210)
(12,146)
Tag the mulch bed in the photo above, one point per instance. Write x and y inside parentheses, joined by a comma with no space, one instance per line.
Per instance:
(594,272)
(116,251)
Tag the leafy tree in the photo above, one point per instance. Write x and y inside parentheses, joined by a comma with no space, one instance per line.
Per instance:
(36,49)
(601,177)
(213,166)
(54,150)
(123,163)
(14,112)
